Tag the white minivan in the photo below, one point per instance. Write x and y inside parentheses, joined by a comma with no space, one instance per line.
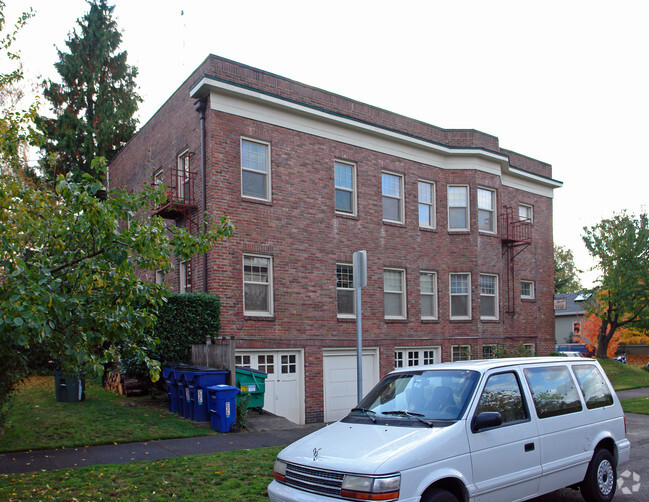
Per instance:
(493,430)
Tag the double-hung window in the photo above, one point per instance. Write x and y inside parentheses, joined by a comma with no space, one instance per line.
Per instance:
(460,352)
(488,296)
(527,290)
(428,290)
(345,183)
(486,210)
(394,293)
(460,289)
(392,190)
(257,285)
(255,169)
(345,290)
(185,276)
(183,186)
(426,204)
(525,212)
(458,207)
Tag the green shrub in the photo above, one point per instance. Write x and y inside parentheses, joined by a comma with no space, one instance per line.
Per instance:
(242,410)
(185,319)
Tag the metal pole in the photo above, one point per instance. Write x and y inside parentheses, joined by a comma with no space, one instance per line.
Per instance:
(359,346)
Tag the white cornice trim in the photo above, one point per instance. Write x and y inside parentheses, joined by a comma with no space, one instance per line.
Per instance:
(256,105)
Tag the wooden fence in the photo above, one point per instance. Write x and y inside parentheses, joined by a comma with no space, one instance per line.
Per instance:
(219,354)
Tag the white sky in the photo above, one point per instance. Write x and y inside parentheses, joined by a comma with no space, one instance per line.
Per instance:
(565,82)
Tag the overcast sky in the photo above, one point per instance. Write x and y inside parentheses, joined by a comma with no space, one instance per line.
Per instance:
(565,82)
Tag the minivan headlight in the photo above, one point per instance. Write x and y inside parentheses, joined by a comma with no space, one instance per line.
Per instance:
(279,470)
(371,488)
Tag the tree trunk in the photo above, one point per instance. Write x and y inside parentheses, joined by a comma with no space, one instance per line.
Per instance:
(606,332)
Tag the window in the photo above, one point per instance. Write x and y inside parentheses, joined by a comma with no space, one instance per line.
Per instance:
(576,327)
(489,351)
(460,352)
(488,296)
(502,393)
(185,279)
(243,361)
(159,276)
(428,289)
(458,207)
(255,170)
(415,356)
(486,210)
(553,391)
(426,204)
(460,297)
(392,197)
(257,285)
(527,290)
(345,187)
(182,176)
(157,177)
(525,212)
(593,387)
(345,290)
(530,348)
(266,363)
(288,364)
(394,282)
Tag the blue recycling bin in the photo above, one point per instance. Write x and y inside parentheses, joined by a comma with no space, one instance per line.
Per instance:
(172,388)
(199,381)
(223,407)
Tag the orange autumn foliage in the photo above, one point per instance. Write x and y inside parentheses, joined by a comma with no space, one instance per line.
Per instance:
(590,327)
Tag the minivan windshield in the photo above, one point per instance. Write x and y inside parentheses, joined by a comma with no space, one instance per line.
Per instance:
(420,395)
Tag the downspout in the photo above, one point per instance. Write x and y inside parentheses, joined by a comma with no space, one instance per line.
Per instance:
(200,106)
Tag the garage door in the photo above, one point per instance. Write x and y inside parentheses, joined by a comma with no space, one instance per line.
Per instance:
(340,391)
(285,383)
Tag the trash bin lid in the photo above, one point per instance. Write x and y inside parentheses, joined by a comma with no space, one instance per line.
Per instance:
(241,369)
(222,388)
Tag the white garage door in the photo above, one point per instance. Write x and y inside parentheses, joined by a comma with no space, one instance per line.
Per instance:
(340,390)
(284,394)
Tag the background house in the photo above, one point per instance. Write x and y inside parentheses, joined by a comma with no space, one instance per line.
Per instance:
(568,315)
(458,231)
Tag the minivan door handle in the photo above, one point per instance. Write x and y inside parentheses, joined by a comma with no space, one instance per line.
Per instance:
(529,447)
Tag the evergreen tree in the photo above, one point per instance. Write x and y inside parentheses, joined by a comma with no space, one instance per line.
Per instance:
(95,102)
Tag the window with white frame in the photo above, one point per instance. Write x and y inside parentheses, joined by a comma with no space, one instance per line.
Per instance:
(394,293)
(345,290)
(185,277)
(182,176)
(531,348)
(525,212)
(460,288)
(428,291)
(157,177)
(345,187)
(257,285)
(427,204)
(266,363)
(486,210)
(527,290)
(255,169)
(392,190)
(458,207)
(460,352)
(159,276)
(489,351)
(488,296)
(405,357)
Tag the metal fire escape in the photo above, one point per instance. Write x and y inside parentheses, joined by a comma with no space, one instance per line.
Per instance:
(516,236)
(180,202)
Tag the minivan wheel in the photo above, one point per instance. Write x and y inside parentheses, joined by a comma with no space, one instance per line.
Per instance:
(601,478)
(439,495)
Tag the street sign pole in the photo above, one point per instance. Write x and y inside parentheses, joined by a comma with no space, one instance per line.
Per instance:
(360,280)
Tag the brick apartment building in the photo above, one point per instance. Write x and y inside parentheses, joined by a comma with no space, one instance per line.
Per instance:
(458,231)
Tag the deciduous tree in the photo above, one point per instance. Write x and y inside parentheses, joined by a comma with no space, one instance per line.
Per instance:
(566,274)
(620,246)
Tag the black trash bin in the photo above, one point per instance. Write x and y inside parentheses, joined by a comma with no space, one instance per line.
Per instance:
(69,388)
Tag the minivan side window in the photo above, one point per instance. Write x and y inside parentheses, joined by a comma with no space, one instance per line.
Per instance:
(553,391)
(593,387)
(502,393)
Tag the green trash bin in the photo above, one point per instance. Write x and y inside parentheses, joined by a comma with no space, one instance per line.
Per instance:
(69,388)
(251,383)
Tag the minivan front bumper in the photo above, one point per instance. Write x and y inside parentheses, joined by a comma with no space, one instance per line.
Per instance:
(283,493)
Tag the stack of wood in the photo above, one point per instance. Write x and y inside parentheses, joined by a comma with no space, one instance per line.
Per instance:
(125,386)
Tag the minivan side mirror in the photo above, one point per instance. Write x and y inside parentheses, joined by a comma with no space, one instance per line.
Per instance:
(486,420)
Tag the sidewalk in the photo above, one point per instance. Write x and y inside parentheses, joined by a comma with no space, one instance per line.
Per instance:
(264,430)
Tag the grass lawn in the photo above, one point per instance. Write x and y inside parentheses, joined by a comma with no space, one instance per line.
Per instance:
(636,405)
(239,475)
(37,421)
(624,376)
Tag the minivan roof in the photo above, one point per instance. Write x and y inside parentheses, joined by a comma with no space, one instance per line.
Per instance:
(483,365)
